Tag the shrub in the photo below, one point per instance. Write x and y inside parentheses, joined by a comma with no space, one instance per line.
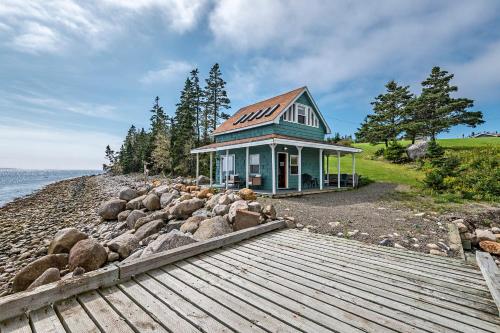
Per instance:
(379,152)
(434,150)
(395,153)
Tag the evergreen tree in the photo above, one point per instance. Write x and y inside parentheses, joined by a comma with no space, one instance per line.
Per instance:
(127,151)
(196,96)
(161,152)
(215,101)
(438,111)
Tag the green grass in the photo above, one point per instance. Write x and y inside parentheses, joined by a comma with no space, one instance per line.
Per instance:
(408,174)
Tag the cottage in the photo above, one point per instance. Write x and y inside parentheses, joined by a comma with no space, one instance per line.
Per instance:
(277,145)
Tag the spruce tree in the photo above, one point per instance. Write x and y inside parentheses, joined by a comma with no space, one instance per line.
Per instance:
(215,101)
(438,111)
(197,99)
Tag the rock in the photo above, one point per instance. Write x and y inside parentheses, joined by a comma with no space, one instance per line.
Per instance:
(490,247)
(457,221)
(202,212)
(111,208)
(192,188)
(386,242)
(485,235)
(213,227)
(203,180)
(113,256)
(213,201)
(124,244)
(123,215)
(133,217)
(270,212)
(65,239)
(160,190)
(191,224)
(235,206)
(247,194)
(462,228)
(151,202)
(185,196)
(221,209)
(173,225)
(399,246)
(88,254)
(149,229)
(443,246)
(203,194)
(166,242)
(438,253)
(466,244)
(185,208)
(50,275)
(432,246)
(32,271)
(136,203)
(417,150)
(224,200)
(245,219)
(158,215)
(167,198)
(254,207)
(495,230)
(128,194)
(78,271)
(290,224)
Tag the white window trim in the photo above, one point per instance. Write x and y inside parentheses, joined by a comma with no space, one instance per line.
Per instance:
(297,157)
(222,175)
(250,164)
(292,115)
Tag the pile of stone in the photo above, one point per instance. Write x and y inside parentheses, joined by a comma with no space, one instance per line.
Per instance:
(486,239)
(142,221)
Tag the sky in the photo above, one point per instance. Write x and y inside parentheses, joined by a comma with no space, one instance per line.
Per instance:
(74,75)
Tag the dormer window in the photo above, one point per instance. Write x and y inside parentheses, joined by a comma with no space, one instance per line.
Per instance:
(301,114)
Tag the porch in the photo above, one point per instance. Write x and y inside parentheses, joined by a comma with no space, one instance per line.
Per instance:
(278,165)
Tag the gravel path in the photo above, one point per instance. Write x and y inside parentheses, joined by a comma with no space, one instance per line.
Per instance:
(365,215)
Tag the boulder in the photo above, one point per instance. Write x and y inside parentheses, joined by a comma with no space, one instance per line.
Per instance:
(184,209)
(88,254)
(158,215)
(245,219)
(254,207)
(124,244)
(224,200)
(111,208)
(149,229)
(203,180)
(133,217)
(173,225)
(151,202)
(235,206)
(192,188)
(417,150)
(50,275)
(202,212)
(167,198)
(160,190)
(166,242)
(32,271)
(247,194)
(213,201)
(128,194)
(495,230)
(192,224)
(221,209)
(185,196)
(270,212)
(113,256)
(490,247)
(462,228)
(485,235)
(136,203)
(65,239)
(213,227)
(123,215)
(204,193)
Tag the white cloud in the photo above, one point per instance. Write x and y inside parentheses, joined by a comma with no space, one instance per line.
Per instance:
(170,72)
(36,147)
(36,38)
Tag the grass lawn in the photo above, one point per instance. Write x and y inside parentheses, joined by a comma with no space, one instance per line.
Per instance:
(408,174)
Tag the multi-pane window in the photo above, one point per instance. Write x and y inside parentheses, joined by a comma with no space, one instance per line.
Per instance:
(302,114)
(227,163)
(294,164)
(254,163)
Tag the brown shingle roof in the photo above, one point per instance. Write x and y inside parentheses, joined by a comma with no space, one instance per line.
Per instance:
(283,101)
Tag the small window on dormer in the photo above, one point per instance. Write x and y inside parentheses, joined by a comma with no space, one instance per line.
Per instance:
(301,114)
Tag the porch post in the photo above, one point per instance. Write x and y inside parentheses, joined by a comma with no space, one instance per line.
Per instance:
(273,166)
(338,168)
(247,167)
(353,168)
(227,168)
(211,169)
(321,181)
(197,167)
(299,149)
(328,168)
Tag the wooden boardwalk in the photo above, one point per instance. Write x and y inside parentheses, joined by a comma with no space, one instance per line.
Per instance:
(283,281)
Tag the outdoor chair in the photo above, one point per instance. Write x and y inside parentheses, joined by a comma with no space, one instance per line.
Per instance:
(234,181)
(307,180)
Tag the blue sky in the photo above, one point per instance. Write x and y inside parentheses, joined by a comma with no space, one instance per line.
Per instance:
(74,75)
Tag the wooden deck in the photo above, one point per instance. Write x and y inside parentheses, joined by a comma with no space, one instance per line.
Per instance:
(283,281)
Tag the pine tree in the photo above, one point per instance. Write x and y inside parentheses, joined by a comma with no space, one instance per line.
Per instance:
(215,101)
(439,110)
(196,96)
(161,153)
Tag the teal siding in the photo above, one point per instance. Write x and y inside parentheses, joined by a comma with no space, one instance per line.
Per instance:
(243,134)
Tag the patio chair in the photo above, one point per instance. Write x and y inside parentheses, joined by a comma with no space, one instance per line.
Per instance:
(234,181)
(306,180)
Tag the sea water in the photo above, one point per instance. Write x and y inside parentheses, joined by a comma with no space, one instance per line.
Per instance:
(15,183)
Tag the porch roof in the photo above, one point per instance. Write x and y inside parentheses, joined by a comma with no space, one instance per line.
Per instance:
(273,139)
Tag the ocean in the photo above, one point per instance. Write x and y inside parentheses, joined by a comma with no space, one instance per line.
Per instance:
(15,183)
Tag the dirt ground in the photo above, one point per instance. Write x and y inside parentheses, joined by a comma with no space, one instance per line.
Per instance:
(369,214)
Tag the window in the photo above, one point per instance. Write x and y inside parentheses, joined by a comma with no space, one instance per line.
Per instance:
(301,114)
(254,163)
(229,163)
(294,164)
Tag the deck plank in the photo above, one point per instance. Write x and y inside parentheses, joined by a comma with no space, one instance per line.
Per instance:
(74,317)
(19,324)
(45,320)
